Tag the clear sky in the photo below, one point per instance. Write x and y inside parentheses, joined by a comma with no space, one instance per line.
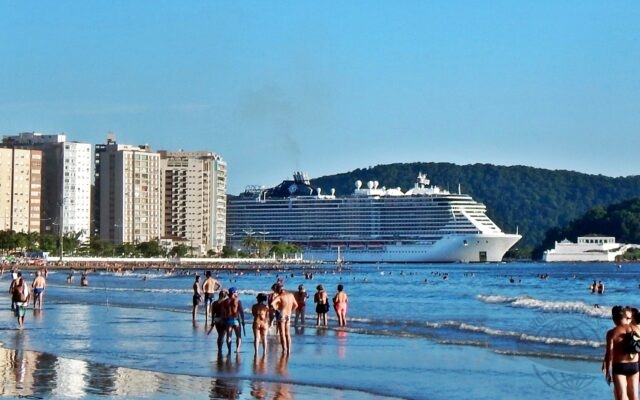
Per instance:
(326,87)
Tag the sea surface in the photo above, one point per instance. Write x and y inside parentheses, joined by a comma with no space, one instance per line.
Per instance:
(433,331)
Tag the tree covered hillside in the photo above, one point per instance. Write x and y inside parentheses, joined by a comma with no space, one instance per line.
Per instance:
(532,200)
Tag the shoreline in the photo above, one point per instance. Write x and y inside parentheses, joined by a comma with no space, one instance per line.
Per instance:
(130,264)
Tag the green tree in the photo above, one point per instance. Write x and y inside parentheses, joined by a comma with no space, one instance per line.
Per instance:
(150,249)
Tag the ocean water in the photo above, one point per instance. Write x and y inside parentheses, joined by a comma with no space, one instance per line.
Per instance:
(434,331)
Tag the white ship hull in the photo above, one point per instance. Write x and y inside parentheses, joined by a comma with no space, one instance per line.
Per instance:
(449,249)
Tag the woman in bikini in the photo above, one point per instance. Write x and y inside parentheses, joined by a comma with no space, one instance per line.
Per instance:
(620,366)
(260,312)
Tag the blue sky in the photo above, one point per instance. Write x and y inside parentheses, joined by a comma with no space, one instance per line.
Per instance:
(327,87)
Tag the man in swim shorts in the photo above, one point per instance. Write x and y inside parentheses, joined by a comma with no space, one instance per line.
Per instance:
(39,284)
(22,301)
(209,287)
(285,304)
(234,318)
(620,366)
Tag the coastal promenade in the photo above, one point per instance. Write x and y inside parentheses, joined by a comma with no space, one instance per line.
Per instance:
(115,263)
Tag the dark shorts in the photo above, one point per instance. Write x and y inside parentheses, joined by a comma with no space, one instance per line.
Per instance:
(37,291)
(322,308)
(209,298)
(626,369)
(197,299)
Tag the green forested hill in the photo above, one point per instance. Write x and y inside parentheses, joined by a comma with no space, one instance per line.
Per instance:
(532,200)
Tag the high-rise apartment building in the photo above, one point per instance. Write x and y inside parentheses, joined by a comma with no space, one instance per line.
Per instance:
(20,190)
(195,202)
(129,193)
(66,182)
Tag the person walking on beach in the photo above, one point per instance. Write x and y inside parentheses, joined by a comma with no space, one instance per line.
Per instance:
(234,318)
(39,284)
(197,298)
(340,301)
(321,299)
(621,366)
(209,287)
(284,304)
(14,276)
(218,319)
(260,312)
(301,297)
(20,296)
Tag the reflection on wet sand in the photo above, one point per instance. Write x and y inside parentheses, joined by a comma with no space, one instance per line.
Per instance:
(40,375)
(282,390)
(226,385)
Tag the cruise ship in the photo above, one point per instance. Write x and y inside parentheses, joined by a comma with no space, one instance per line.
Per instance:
(373,224)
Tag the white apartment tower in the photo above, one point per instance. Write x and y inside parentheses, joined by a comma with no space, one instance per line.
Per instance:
(195,201)
(20,190)
(130,197)
(66,182)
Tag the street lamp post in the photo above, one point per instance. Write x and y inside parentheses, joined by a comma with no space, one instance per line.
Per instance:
(60,228)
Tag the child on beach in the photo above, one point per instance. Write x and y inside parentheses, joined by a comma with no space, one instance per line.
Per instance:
(260,312)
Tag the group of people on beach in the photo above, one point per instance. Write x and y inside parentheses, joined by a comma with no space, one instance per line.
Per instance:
(621,361)
(226,313)
(21,293)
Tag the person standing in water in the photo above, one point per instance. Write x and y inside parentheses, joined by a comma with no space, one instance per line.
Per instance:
(197,298)
(301,297)
(285,304)
(321,298)
(209,287)
(234,318)
(340,301)
(39,284)
(260,312)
